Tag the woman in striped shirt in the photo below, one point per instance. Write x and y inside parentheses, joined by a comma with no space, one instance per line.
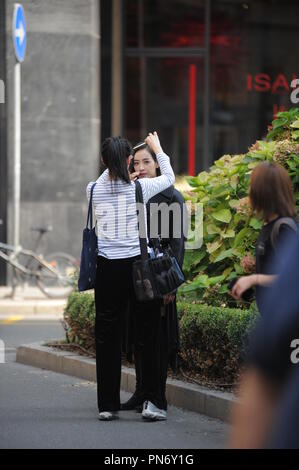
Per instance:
(118,247)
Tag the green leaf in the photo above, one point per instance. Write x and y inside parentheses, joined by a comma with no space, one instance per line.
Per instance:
(216,280)
(232,275)
(259,155)
(234,181)
(223,289)
(224,254)
(295,135)
(251,166)
(279,123)
(223,215)
(227,271)
(255,223)
(230,233)
(233,203)
(211,247)
(240,237)
(212,229)
(192,258)
(238,269)
(198,257)
(199,283)
(295,124)
(221,191)
(292,165)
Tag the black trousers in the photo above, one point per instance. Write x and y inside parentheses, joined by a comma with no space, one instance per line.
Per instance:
(114,290)
(163,366)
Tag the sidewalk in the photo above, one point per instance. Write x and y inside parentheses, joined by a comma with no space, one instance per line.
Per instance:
(29,301)
(45,410)
(34,306)
(192,397)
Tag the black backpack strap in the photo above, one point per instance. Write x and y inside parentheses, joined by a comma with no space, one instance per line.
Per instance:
(141,221)
(89,214)
(276,227)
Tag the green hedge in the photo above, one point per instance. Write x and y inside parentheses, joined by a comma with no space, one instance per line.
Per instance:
(212,338)
(79,317)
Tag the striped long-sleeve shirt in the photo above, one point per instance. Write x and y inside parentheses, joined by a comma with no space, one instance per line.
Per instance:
(115,210)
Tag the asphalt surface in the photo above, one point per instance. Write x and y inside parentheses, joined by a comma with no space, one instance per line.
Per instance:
(43,409)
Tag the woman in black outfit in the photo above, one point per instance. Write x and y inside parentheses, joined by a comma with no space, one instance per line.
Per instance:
(145,165)
(115,208)
(272,197)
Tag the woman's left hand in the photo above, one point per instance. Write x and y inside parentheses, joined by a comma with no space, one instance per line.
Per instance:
(134,176)
(242,285)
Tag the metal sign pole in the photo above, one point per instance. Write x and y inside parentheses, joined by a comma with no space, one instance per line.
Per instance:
(17,152)
(19,40)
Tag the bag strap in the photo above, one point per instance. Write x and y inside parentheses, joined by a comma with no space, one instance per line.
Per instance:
(141,221)
(89,214)
(276,227)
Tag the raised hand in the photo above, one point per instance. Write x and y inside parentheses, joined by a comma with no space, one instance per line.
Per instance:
(153,142)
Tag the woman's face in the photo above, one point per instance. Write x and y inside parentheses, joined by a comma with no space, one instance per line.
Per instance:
(145,164)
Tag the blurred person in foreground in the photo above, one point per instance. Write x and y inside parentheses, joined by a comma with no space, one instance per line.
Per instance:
(272,198)
(267,415)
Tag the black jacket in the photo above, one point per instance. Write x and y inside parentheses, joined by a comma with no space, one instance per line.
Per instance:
(177,244)
(170,319)
(169,312)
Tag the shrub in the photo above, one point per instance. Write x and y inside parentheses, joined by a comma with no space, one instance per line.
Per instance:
(79,318)
(230,229)
(212,339)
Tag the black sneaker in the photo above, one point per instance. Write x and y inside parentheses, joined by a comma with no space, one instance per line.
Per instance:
(133,403)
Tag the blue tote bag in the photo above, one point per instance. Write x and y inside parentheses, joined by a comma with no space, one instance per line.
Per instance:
(89,253)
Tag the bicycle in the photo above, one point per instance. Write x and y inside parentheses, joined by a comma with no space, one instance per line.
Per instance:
(53,274)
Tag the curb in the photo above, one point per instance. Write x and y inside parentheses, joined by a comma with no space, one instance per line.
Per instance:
(32,307)
(192,397)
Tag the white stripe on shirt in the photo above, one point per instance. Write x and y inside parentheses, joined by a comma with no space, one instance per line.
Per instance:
(115,210)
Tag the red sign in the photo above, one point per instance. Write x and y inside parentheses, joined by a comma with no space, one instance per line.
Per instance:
(263,83)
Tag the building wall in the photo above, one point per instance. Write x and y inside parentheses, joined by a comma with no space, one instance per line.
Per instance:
(60,118)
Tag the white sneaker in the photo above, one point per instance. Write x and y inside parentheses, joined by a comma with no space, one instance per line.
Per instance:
(150,411)
(107,415)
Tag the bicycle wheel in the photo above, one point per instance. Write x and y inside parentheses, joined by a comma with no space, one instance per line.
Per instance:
(62,281)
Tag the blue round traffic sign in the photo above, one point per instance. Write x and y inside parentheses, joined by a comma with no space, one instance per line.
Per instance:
(19,32)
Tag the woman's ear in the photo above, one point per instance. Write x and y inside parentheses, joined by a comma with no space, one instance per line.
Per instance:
(102,161)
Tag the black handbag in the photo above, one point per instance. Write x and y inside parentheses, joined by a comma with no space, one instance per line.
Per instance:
(89,253)
(153,277)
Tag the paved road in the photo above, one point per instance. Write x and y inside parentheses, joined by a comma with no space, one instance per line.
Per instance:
(43,409)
